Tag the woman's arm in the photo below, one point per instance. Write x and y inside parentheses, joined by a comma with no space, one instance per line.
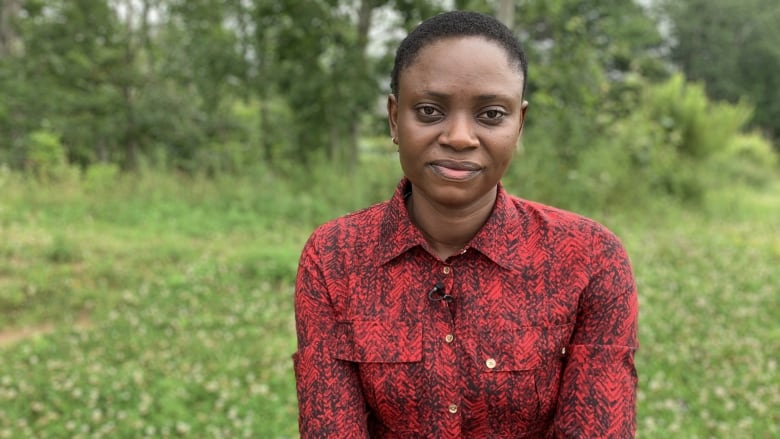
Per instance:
(598,389)
(330,400)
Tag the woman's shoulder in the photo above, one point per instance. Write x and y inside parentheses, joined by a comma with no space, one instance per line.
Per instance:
(352,226)
(560,221)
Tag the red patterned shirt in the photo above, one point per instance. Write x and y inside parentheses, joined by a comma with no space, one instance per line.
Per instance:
(528,332)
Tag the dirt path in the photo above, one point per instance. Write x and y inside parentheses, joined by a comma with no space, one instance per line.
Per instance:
(11,336)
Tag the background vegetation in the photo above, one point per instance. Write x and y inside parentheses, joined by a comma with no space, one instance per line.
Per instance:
(163,161)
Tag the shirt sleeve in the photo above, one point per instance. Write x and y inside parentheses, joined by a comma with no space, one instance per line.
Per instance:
(597,398)
(330,400)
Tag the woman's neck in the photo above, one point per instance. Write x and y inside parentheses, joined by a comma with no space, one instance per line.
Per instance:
(448,229)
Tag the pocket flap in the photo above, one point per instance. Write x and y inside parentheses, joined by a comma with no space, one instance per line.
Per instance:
(523,348)
(377,341)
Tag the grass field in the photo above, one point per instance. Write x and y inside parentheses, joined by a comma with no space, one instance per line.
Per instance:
(162,307)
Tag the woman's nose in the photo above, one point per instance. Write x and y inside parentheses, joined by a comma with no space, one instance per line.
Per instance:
(459,133)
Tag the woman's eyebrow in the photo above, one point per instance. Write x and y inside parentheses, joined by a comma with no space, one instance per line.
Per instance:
(436,94)
(482,97)
(489,97)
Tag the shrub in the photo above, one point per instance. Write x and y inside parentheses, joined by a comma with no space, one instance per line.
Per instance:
(43,154)
(748,159)
(666,147)
(694,125)
(100,176)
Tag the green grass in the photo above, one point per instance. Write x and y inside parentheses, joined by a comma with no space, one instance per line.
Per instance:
(184,298)
(709,309)
(170,300)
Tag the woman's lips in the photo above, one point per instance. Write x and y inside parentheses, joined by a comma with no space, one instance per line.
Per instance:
(455,170)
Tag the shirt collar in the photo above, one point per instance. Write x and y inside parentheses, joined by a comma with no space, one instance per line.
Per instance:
(397,232)
(497,239)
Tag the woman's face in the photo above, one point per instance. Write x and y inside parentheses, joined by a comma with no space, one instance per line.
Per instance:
(458,117)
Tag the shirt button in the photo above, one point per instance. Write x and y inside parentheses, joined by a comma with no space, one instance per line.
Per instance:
(563,351)
(452,408)
(490,363)
(449,337)
(446,270)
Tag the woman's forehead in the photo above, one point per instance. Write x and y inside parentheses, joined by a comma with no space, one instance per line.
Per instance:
(453,63)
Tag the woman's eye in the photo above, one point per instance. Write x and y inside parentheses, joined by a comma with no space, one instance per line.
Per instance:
(428,111)
(492,115)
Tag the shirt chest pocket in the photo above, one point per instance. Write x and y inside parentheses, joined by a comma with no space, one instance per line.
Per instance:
(523,347)
(378,341)
(388,359)
(530,359)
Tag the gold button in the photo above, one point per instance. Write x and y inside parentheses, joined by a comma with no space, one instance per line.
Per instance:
(490,363)
(446,270)
(452,408)
(449,337)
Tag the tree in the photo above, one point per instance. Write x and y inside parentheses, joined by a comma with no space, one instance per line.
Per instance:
(325,73)
(12,86)
(163,79)
(584,55)
(734,47)
(66,79)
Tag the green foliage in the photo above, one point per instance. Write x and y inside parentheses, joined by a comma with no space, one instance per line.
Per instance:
(673,135)
(77,57)
(582,55)
(100,177)
(666,146)
(749,159)
(43,152)
(732,47)
(589,62)
(63,250)
(155,83)
(225,88)
(695,126)
(328,78)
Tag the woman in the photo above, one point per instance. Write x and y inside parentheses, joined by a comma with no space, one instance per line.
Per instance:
(455,309)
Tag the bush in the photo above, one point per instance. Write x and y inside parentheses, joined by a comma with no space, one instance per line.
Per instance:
(43,154)
(100,176)
(694,125)
(749,159)
(665,148)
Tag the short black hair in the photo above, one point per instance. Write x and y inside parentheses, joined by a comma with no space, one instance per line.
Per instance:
(455,24)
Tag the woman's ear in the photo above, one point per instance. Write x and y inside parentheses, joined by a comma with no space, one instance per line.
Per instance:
(523,109)
(392,115)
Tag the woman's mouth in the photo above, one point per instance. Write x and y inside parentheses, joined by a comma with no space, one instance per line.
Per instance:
(455,170)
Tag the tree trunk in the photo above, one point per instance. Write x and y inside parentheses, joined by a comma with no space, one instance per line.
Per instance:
(265,127)
(505,12)
(9,39)
(352,152)
(243,18)
(146,37)
(130,136)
